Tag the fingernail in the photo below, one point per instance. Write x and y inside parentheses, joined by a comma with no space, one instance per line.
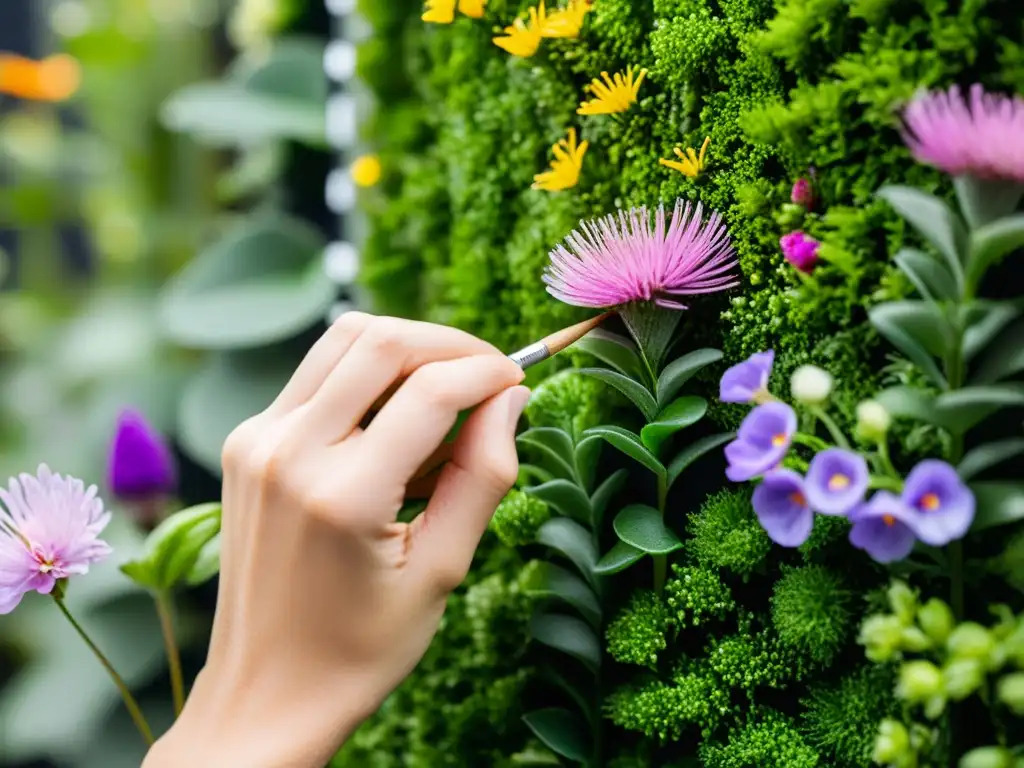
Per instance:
(517,400)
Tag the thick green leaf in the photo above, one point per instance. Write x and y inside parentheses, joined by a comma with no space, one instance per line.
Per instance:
(934,221)
(551,581)
(617,351)
(984,321)
(919,330)
(556,445)
(262,283)
(909,403)
(562,731)
(574,542)
(928,274)
(569,635)
(963,409)
(1003,358)
(618,558)
(207,565)
(676,416)
(528,473)
(681,370)
(588,451)
(984,200)
(991,243)
(644,528)
(604,494)
(230,388)
(629,443)
(635,391)
(694,451)
(997,504)
(565,497)
(989,455)
(173,547)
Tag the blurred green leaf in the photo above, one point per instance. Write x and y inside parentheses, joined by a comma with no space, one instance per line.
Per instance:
(636,392)
(997,504)
(255,169)
(681,370)
(991,243)
(1003,357)
(207,565)
(561,730)
(909,402)
(551,581)
(564,497)
(919,330)
(569,635)
(962,409)
(262,283)
(989,455)
(694,451)
(231,387)
(573,541)
(928,274)
(618,558)
(983,321)
(935,221)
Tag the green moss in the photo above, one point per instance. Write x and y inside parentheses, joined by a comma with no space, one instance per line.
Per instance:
(569,401)
(811,610)
(665,710)
(726,533)
(768,740)
(518,517)
(637,634)
(695,596)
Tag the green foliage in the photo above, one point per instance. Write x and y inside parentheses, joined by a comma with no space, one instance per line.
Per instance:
(518,517)
(841,720)
(567,400)
(811,610)
(664,711)
(753,657)
(637,634)
(696,595)
(725,533)
(768,740)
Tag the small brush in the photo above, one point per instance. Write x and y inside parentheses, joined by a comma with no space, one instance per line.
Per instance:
(553,344)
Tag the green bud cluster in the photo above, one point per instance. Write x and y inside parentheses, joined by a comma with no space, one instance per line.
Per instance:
(664,710)
(518,517)
(569,401)
(768,740)
(811,611)
(725,533)
(637,635)
(695,596)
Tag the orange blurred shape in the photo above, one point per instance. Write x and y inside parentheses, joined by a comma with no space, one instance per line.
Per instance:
(53,79)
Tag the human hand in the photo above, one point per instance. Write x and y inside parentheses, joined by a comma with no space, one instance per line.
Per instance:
(326,602)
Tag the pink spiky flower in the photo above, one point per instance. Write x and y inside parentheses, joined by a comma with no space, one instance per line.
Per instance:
(49,530)
(618,260)
(979,135)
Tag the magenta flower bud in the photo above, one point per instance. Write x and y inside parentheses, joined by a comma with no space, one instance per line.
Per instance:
(800,251)
(140,465)
(803,193)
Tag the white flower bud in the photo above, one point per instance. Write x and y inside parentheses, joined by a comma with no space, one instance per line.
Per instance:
(873,421)
(811,385)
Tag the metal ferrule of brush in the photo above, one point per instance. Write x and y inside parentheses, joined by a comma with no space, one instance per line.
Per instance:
(531,355)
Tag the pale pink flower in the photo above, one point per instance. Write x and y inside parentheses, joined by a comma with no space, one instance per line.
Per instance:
(49,530)
(979,136)
(618,260)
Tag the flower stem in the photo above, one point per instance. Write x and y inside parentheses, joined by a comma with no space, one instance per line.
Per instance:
(883,454)
(811,441)
(833,429)
(887,483)
(164,611)
(129,701)
(661,561)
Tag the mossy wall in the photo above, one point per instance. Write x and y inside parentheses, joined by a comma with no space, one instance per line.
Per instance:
(757,667)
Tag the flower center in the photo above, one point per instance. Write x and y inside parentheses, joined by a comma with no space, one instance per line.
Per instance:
(930,502)
(838,482)
(779,440)
(798,498)
(45,564)
(889,520)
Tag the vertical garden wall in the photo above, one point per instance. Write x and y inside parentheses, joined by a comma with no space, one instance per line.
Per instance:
(740,652)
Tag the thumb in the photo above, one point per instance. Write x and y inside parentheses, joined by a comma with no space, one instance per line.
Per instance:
(483,468)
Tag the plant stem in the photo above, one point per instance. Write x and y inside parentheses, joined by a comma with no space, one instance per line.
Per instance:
(883,454)
(811,441)
(833,429)
(129,701)
(164,609)
(661,561)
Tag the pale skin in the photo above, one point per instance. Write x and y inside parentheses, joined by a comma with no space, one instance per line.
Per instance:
(326,603)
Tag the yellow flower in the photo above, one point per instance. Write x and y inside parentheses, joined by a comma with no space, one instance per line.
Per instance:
(568,21)
(366,170)
(565,168)
(612,96)
(473,8)
(689,162)
(439,11)
(522,39)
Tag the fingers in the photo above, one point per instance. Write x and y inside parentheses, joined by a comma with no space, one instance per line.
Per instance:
(483,469)
(320,361)
(386,350)
(417,418)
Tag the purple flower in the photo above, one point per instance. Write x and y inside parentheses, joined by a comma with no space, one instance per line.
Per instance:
(943,505)
(800,251)
(781,507)
(140,464)
(883,527)
(803,193)
(836,481)
(49,530)
(762,442)
(745,381)
(615,261)
(977,136)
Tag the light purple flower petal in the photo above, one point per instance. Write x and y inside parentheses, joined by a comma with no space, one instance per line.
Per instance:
(744,380)
(49,530)
(836,481)
(881,527)
(140,463)
(781,508)
(944,505)
(762,441)
(621,259)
